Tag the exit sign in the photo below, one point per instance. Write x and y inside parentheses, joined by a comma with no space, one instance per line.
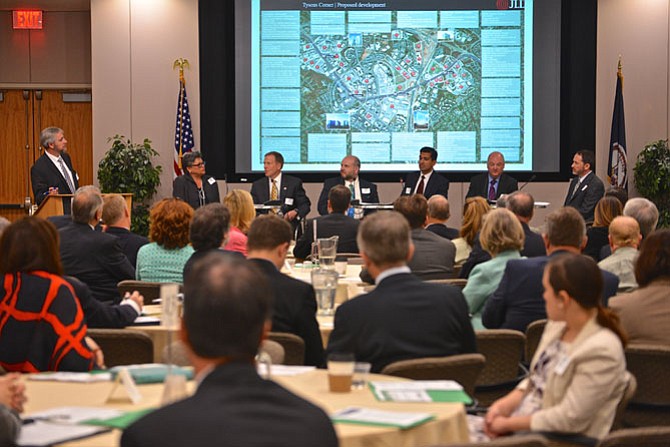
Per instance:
(27,19)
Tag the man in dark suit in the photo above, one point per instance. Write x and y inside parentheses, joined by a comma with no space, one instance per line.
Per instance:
(93,257)
(275,186)
(337,223)
(438,214)
(116,217)
(294,307)
(226,317)
(493,183)
(106,315)
(426,181)
(586,189)
(518,301)
(403,317)
(361,189)
(53,173)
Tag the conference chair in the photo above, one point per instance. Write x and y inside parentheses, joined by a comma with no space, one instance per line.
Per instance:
(463,368)
(176,354)
(508,441)
(638,437)
(149,290)
(123,346)
(351,258)
(457,282)
(534,333)
(650,406)
(503,349)
(294,347)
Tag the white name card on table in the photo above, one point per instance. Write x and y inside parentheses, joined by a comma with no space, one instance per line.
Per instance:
(131,392)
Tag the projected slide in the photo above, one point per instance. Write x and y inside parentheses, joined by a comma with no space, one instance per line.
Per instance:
(381,80)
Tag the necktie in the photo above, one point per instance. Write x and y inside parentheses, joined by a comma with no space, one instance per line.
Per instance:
(274,193)
(66,175)
(492,190)
(574,191)
(353,191)
(419,189)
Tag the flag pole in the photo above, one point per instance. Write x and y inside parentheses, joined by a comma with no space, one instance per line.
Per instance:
(181,63)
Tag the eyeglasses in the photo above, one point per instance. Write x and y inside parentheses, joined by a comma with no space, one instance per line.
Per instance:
(199,165)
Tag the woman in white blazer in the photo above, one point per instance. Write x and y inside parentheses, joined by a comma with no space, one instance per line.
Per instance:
(578,374)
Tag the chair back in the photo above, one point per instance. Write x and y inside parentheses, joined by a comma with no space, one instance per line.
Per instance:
(351,258)
(457,282)
(294,347)
(651,404)
(503,349)
(628,393)
(638,437)
(149,290)
(463,368)
(123,346)
(534,333)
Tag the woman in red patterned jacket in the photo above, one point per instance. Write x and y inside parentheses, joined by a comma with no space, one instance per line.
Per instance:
(42,325)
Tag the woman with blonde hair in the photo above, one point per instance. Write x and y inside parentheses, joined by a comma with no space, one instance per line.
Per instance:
(606,210)
(502,237)
(242,212)
(473,211)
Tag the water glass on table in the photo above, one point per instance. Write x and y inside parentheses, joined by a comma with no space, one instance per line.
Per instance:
(325,287)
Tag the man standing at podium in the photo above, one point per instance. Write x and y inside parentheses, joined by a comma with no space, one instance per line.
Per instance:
(53,173)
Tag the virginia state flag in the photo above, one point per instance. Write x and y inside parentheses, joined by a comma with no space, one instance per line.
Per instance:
(617,168)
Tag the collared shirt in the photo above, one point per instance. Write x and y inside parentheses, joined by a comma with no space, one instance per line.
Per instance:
(55,161)
(495,185)
(390,272)
(278,183)
(426,177)
(358,212)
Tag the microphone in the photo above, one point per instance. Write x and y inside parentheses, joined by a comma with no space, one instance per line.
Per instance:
(533,177)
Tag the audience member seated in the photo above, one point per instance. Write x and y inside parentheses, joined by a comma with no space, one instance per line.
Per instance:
(106,315)
(116,217)
(337,223)
(294,305)
(645,313)
(502,237)
(92,256)
(43,327)
(438,214)
(618,192)
(195,187)
(403,317)
(624,239)
(164,258)
(578,374)
(226,316)
(242,213)
(473,211)
(607,209)
(12,398)
(646,214)
(208,232)
(517,301)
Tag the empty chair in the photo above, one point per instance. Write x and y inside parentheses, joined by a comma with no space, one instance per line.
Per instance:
(463,368)
(503,349)
(651,404)
(149,290)
(638,437)
(294,347)
(123,346)
(533,335)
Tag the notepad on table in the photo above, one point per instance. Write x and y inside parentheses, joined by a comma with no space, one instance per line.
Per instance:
(420,391)
(370,416)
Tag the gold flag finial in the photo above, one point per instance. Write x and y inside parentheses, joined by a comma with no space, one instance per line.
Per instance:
(181,63)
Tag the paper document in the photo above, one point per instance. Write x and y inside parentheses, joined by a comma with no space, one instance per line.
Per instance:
(370,416)
(42,433)
(71,377)
(283,370)
(420,391)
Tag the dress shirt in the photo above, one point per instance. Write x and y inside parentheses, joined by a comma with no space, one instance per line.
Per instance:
(426,178)
(278,183)
(495,185)
(392,271)
(62,167)
(358,212)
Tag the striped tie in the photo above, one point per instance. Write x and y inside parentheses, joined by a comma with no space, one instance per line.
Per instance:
(66,175)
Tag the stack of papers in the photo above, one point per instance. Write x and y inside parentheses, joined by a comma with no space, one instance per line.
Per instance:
(370,416)
(62,424)
(420,391)
(81,377)
(283,370)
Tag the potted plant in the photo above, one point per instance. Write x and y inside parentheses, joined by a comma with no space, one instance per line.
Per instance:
(652,177)
(127,168)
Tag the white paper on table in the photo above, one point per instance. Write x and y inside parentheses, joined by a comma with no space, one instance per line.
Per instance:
(42,433)
(409,396)
(147,319)
(283,370)
(73,415)
(414,386)
(372,416)
(80,377)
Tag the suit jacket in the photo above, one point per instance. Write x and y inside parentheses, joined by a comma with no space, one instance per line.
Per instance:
(130,242)
(437,184)
(443,230)
(596,240)
(518,301)
(44,175)
(403,318)
(645,313)
(96,259)
(368,193)
(590,191)
(184,187)
(326,226)
(582,398)
(479,185)
(234,406)
(99,314)
(433,255)
(294,310)
(292,194)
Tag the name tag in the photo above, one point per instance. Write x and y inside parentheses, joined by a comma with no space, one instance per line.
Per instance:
(584,188)
(365,190)
(562,365)
(288,201)
(211,180)
(77,176)
(408,190)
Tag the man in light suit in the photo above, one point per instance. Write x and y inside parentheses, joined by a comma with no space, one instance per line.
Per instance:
(403,317)
(53,173)
(226,317)
(518,301)
(586,189)
(361,189)
(426,181)
(286,189)
(494,183)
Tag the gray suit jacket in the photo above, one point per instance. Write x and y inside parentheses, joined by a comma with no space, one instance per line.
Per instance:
(433,255)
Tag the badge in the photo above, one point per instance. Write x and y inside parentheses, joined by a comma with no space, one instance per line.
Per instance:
(288,201)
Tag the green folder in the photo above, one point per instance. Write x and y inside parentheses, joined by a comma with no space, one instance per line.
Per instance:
(120,422)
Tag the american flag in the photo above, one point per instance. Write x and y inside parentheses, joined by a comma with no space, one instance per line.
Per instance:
(183,136)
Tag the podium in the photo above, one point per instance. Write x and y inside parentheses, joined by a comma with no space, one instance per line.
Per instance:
(52,205)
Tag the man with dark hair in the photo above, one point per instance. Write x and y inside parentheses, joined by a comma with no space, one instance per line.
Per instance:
(278,187)
(438,214)
(227,309)
(518,301)
(116,217)
(360,189)
(93,257)
(426,181)
(53,173)
(493,183)
(586,188)
(337,223)
(294,308)
(403,317)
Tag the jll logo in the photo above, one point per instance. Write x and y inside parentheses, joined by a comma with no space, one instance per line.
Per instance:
(510,4)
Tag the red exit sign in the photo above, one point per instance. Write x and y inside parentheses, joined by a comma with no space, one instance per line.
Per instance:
(27,19)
